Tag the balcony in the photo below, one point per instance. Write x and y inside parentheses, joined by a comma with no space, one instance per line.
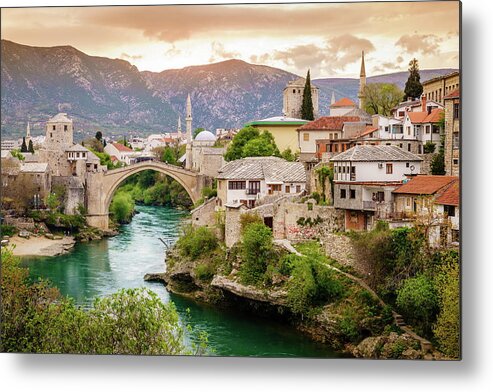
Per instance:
(369,205)
(252,191)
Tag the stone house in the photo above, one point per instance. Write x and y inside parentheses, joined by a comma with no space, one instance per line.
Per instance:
(432,201)
(246,181)
(207,159)
(437,88)
(452,133)
(364,178)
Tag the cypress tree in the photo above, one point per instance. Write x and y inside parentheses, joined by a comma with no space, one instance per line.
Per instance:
(24,145)
(413,88)
(31,147)
(307,104)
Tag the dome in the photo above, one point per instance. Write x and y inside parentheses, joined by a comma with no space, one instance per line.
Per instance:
(205,136)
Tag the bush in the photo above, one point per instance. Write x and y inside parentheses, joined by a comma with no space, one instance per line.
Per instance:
(417,300)
(302,287)
(122,207)
(208,192)
(195,242)
(8,230)
(249,218)
(429,147)
(257,247)
(205,271)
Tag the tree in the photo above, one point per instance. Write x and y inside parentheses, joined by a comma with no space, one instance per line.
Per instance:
(257,248)
(262,146)
(288,155)
(31,147)
(24,145)
(235,149)
(122,207)
(437,164)
(380,98)
(413,88)
(307,104)
(99,136)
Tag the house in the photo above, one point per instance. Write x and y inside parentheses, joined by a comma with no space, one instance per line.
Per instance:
(452,133)
(341,107)
(326,128)
(122,153)
(364,178)
(283,129)
(438,88)
(425,127)
(247,180)
(432,201)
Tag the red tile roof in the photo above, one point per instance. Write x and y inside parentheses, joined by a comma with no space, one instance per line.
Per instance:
(453,94)
(121,147)
(425,185)
(368,130)
(343,102)
(424,117)
(450,196)
(113,158)
(332,123)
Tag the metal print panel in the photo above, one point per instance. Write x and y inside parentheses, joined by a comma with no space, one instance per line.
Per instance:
(275,180)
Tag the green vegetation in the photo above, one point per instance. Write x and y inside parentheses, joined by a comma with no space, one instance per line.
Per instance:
(421,282)
(249,218)
(7,230)
(30,147)
(196,242)
(17,154)
(122,207)
(438,161)
(429,147)
(257,249)
(307,103)
(249,142)
(24,145)
(380,98)
(413,88)
(196,131)
(325,173)
(37,319)
(288,155)
(105,158)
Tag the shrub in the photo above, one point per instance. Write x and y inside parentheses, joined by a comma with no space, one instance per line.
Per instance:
(8,230)
(208,192)
(195,242)
(249,218)
(302,287)
(429,147)
(348,326)
(257,247)
(205,271)
(122,207)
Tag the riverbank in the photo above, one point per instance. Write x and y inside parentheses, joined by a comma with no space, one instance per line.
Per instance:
(41,246)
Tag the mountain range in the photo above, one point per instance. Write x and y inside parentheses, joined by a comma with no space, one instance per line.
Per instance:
(114,96)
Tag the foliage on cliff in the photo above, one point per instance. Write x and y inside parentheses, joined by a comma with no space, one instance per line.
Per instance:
(37,319)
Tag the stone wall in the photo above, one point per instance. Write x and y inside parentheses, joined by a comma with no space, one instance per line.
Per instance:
(205,214)
(20,223)
(426,163)
(232,225)
(74,192)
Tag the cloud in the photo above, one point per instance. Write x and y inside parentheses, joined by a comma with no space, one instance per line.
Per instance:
(219,53)
(420,43)
(131,57)
(173,51)
(337,53)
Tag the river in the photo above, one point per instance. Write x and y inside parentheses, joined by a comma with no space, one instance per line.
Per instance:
(102,267)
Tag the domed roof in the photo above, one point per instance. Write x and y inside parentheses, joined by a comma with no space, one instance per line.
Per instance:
(206,136)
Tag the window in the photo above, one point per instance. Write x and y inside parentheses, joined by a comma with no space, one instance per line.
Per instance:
(287,189)
(427,129)
(328,147)
(456,161)
(407,164)
(336,136)
(352,193)
(343,193)
(65,128)
(51,134)
(455,140)
(401,114)
(388,167)
(298,188)
(449,210)
(294,91)
(400,145)
(436,129)
(253,187)
(331,136)
(237,185)
(409,147)
(456,111)
(306,137)
(336,148)
(378,196)
(409,130)
(54,127)
(455,235)
(275,187)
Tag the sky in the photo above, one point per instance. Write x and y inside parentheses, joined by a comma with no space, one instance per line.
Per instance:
(327,37)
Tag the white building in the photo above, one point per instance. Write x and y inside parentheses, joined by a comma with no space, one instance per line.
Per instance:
(245,181)
(120,152)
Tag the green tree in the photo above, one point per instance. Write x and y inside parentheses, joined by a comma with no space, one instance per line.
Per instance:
(31,147)
(17,154)
(260,147)
(99,136)
(122,207)
(288,155)
(307,103)
(437,164)
(235,149)
(257,245)
(24,145)
(413,88)
(380,98)
(168,156)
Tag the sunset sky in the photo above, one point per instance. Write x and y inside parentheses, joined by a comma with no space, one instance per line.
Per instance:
(327,38)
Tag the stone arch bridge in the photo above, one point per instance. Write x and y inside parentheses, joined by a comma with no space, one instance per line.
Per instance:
(102,186)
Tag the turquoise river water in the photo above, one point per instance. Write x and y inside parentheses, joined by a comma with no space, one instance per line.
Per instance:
(100,268)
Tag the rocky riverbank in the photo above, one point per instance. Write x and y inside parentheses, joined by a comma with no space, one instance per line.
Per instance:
(41,246)
(353,325)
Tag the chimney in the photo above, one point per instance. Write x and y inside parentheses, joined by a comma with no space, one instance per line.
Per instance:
(423,102)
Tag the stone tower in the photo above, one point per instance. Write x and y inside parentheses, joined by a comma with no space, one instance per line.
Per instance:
(59,133)
(362,82)
(333,99)
(293,98)
(188,119)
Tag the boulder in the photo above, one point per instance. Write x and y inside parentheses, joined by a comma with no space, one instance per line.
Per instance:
(24,234)
(49,236)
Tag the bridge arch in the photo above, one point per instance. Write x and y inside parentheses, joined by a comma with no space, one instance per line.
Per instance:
(102,187)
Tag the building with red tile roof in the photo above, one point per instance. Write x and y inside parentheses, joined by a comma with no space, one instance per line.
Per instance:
(425,185)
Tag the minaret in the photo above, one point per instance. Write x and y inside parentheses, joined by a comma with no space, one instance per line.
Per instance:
(179,128)
(333,99)
(28,133)
(188,119)
(362,82)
